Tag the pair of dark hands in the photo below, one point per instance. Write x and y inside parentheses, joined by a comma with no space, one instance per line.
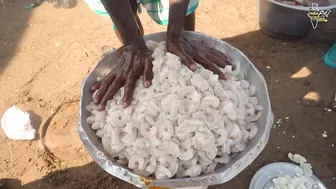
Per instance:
(136,60)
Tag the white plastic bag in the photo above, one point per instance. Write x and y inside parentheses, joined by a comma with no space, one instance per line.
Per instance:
(16,124)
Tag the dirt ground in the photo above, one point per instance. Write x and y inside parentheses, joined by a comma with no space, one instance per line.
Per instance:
(46,52)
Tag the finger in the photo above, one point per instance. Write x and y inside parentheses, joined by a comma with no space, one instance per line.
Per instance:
(218,61)
(107,81)
(222,56)
(217,53)
(95,87)
(148,72)
(129,90)
(187,55)
(113,66)
(217,57)
(187,47)
(187,60)
(112,90)
(211,66)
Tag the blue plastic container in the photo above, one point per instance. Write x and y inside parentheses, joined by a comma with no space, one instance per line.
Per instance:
(330,57)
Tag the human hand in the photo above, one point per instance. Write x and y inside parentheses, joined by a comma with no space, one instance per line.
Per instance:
(134,62)
(190,52)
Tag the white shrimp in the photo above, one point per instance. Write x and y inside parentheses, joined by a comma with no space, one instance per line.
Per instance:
(187,107)
(152,165)
(258,107)
(209,101)
(173,61)
(223,136)
(150,119)
(239,147)
(253,130)
(137,162)
(173,78)
(202,140)
(211,151)
(152,45)
(144,94)
(186,123)
(214,81)
(122,161)
(187,154)
(250,110)
(117,119)
(206,74)
(189,126)
(180,171)
(252,90)
(214,119)
(167,101)
(244,84)
(131,135)
(162,172)
(243,98)
(231,96)
(250,119)
(229,109)
(228,69)
(199,82)
(185,92)
(200,116)
(164,125)
(254,100)
(160,51)
(193,171)
(182,118)
(203,158)
(164,75)
(211,168)
(236,134)
(100,133)
(170,163)
(225,158)
(153,108)
(155,142)
(220,92)
(173,113)
(170,148)
(182,81)
(187,143)
(106,141)
(144,128)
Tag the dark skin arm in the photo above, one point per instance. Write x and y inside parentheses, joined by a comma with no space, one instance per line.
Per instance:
(188,50)
(122,16)
(135,59)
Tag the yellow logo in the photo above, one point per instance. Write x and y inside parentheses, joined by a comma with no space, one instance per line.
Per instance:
(317,16)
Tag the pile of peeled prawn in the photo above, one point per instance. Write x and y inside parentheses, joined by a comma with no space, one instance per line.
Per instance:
(186,123)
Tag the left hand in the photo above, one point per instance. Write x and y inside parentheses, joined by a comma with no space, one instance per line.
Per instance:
(190,53)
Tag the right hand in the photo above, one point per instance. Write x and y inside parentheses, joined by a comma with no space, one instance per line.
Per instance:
(191,52)
(134,61)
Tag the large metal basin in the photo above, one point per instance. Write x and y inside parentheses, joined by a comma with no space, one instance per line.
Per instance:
(285,21)
(224,173)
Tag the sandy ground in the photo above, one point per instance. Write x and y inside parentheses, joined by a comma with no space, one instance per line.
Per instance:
(45,53)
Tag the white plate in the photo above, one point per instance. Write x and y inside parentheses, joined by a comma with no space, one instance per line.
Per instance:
(263,178)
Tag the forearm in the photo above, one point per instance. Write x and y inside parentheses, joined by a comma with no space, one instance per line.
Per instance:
(122,16)
(177,13)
